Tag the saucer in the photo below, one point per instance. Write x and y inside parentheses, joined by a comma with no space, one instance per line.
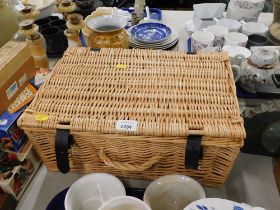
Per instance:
(173,38)
(150,32)
(164,47)
(237,50)
(218,204)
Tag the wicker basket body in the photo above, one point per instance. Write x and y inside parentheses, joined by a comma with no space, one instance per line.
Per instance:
(170,95)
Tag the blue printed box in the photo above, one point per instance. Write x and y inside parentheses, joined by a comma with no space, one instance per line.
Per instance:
(11,136)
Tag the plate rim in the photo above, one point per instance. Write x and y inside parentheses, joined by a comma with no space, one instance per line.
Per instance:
(173,36)
(149,41)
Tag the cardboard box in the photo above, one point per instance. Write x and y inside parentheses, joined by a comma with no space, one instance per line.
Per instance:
(11,136)
(16,69)
(17,180)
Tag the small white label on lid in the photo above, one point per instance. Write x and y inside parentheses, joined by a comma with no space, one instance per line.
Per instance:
(126,125)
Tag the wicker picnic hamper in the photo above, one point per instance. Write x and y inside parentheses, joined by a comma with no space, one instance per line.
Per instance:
(138,114)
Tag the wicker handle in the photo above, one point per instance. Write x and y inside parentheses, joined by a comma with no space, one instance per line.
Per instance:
(126,166)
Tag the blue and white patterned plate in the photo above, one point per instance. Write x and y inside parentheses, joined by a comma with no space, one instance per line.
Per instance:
(218,204)
(151,32)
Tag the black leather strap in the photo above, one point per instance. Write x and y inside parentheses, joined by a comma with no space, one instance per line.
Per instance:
(63,141)
(193,152)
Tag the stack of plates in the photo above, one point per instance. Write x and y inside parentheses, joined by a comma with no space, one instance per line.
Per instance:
(153,36)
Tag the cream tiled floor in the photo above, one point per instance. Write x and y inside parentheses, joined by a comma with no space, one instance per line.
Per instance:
(251,181)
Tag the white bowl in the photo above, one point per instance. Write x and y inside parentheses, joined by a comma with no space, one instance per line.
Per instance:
(124,203)
(203,12)
(232,25)
(232,14)
(200,24)
(236,39)
(254,28)
(246,12)
(249,4)
(46,7)
(91,191)
(237,50)
(172,192)
(99,22)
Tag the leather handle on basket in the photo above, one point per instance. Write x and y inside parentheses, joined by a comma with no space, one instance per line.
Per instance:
(127,166)
(63,141)
(193,153)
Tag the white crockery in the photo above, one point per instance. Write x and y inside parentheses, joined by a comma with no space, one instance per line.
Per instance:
(172,192)
(219,32)
(202,39)
(249,4)
(107,20)
(232,14)
(254,28)
(203,12)
(246,12)
(264,57)
(200,24)
(219,204)
(124,203)
(90,191)
(232,25)
(46,7)
(236,39)
(237,50)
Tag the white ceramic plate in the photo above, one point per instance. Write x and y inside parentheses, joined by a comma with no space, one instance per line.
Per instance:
(151,46)
(173,37)
(218,204)
(154,47)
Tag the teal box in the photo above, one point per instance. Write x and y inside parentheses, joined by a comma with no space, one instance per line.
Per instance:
(11,136)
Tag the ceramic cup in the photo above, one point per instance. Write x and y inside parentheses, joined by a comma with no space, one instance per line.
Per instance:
(257,40)
(249,28)
(233,51)
(219,32)
(201,40)
(43,23)
(91,191)
(124,203)
(172,192)
(249,4)
(236,39)
(246,12)
(232,25)
(55,40)
(235,15)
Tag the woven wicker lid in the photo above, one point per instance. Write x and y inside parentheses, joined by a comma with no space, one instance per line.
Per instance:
(160,94)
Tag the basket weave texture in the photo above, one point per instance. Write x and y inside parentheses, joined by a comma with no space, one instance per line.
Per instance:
(170,95)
